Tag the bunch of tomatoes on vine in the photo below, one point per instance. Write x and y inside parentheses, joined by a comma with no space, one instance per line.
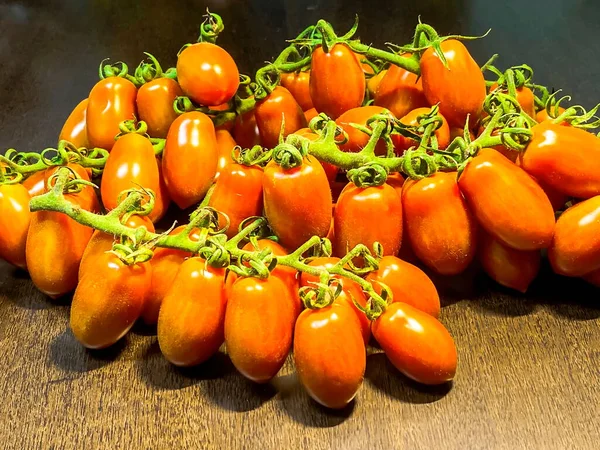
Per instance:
(316,191)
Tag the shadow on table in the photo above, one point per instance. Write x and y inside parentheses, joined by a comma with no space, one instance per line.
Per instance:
(16,287)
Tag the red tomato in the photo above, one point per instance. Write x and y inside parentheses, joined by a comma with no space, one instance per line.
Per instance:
(525,98)
(259,323)
(14,223)
(245,130)
(330,170)
(400,91)
(442,134)
(408,284)
(225,145)
(310,114)
(298,83)
(507,202)
(357,140)
(111,101)
(329,354)
(74,129)
(108,301)
(192,314)
(374,82)
(35,184)
(190,158)
(207,74)
(440,228)
(417,344)
(459,89)
(155,105)
(337,81)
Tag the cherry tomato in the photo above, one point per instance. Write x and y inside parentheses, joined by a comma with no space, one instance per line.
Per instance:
(357,140)
(417,344)
(329,354)
(525,98)
(442,134)
(36,183)
(440,228)
(190,158)
(330,170)
(259,323)
(111,101)
(108,301)
(74,129)
(396,180)
(192,314)
(507,202)
(400,91)
(14,223)
(543,116)
(374,82)
(245,130)
(408,284)
(297,201)
(207,74)
(459,89)
(337,81)
(298,83)
(155,105)
(225,145)
(310,114)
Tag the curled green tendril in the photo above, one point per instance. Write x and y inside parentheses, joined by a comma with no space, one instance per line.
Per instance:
(211,28)
(288,156)
(149,70)
(370,175)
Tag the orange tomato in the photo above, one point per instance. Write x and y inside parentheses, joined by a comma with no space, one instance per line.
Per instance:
(225,145)
(543,116)
(357,140)
(245,130)
(525,98)
(155,105)
(74,128)
(374,82)
(298,83)
(442,134)
(310,114)
(14,223)
(400,91)
(35,184)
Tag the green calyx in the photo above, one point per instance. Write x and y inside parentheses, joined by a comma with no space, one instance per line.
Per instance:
(369,175)
(211,28)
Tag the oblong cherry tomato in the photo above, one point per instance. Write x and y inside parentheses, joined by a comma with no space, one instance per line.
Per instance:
(400,91)
(459,89)
(524,97)
(276,107)
(417,344)
(225,145)
(507,202)
(111,101)
(408,284)
(36,183)
(207,74)
(108,301)
(155,105)
(298,83)
(192,314)
(74,130)
(440,228)
(329,354)
(357,140)
(442,134)
(337,81)
(245,130)
(374,82)
(190,158)
(297,201)
(330,170)
(259,323)
(15,218)
(310,114)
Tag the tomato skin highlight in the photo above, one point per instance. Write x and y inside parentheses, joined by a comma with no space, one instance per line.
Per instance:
(108,301)
(507,202)
(357,140)
(442,134)
(245,130)
(225,145)
(111,101)
(298,83)
(417,344)
(74,129)
(440,228)
(36,183)
(329,354)
(155,105)
(400,91)
(192,314)
(15,218)
(190,158)
(207,74)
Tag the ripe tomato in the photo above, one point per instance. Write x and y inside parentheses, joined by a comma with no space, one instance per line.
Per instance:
(74,129)
(35,184)
(442,134)
(408,284)
(225,145)
(374,82)
(155,105)
(440,228)
(525,98)
(357,140)
(330,170)
(310,114)
(207,74)
(515,269)
(245,130)
(507,202)
(400,91)
(14,223)
(108,301)
(298,83)
(459,89)
(337,81)
(543,116)
(131,164)
(417,344)
(576,176)
(277,106)
(192,314)
(329,354)
(297,201)
(259,323)
(190,158)
(111,101)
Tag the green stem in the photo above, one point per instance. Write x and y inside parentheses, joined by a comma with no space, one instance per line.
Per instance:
(406,62)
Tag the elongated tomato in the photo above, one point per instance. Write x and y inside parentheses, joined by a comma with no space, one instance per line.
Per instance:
(442,134)
(277,109)
(35,184)
(245,130)
(74,130)
(400,91)
(14,223)
(225,145)
(155,105)
(298,83)
(357,140)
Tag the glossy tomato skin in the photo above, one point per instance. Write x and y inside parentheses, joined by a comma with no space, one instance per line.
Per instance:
(74,130)
(35,184)
(374,82)
(507,202)
(111,101)
(207,74)
(579,174)
(190,158)
(329,354)
(155,105)
(108,300)
(14,223)
(297,201)
(192,314)
(259,323)
(442,134)
(225,145)
(524,97)
(298,83)
(330,170)
(400,91)
(417,344)
(337,81)
(408,284)
(277,106)
(440,228)
(357,140)
(459,89)
(245,130)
